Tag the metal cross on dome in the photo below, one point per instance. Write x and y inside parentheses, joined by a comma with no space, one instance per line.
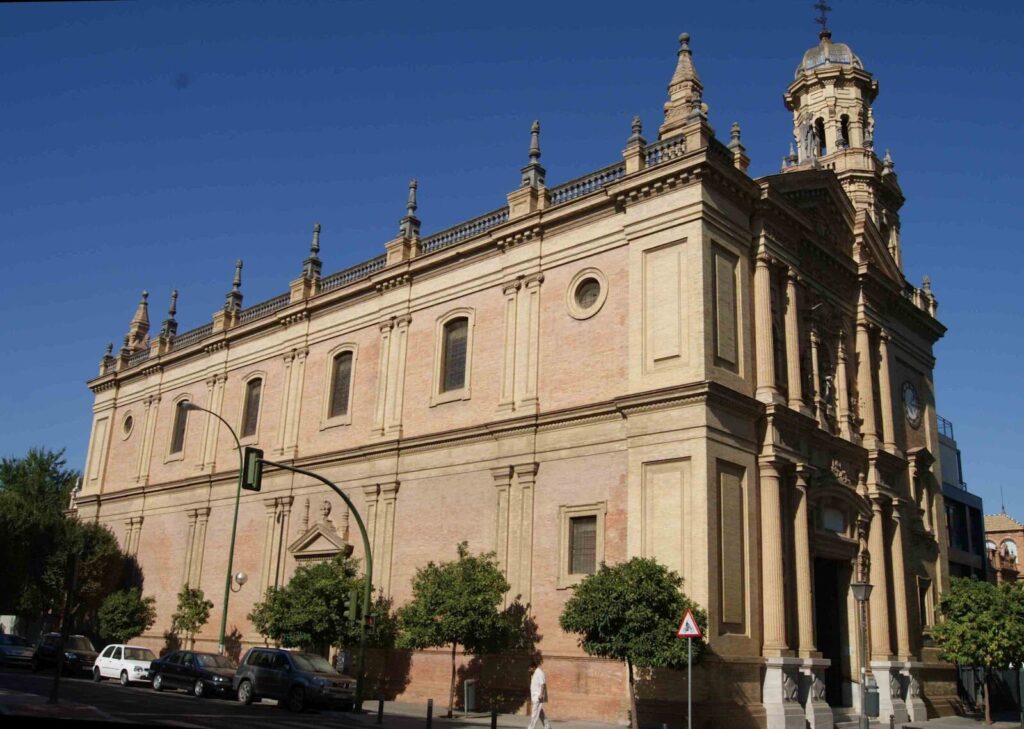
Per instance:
(822,19)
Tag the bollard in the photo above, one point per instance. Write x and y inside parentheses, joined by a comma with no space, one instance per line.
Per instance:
(892,721)
(380,708)
(430,712)
(494,717)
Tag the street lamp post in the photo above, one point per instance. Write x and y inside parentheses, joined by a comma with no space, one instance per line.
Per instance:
(234,522)
(861,593)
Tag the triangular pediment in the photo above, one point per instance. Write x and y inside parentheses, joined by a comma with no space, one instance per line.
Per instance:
(320,541)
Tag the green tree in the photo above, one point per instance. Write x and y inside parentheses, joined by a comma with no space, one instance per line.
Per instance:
(192,613)
(126,614)
(308,611)
(630,612)
(457,604)
(983,625)
(34,492)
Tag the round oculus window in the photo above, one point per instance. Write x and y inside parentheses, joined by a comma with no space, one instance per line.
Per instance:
(587,293)
(127,424)
(911,404)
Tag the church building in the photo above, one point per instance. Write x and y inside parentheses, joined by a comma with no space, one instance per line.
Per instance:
(663,358)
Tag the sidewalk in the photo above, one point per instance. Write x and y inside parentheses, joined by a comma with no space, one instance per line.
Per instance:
(403,715)
(966,722)
(36,707)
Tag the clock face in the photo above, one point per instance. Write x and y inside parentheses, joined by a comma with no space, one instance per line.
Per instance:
(911,405)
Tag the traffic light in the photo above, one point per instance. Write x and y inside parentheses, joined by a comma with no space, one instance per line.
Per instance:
(252,470)
(351,609)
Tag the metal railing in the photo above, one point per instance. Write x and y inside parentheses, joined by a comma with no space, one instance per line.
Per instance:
(664,151)
(587,184)
(353,274)
(476,226)
(945,427)
(264,308)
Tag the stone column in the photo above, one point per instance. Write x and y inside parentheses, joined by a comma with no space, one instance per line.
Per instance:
(881,639)
(506,401)
(773,571)
(885,385)
(819,404)
(793,380)
(899,579)
(766,392)
(804,575)
(842,394)
(865,391)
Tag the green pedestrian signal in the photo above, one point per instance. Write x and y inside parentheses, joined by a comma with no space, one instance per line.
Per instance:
(252,470)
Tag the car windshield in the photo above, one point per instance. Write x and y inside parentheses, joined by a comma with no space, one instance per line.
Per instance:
(139,654)
(79,643)
(311,662)
(12,640)
(211,661)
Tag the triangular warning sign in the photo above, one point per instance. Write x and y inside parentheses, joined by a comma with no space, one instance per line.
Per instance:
(688,628)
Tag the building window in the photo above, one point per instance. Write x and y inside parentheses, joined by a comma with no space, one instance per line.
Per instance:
(251,409)
(586,294)
(819,129)
(127,425)
(582,542)
(582,545)
(180,424)
(341,384)
(453,368)
(844,131)
(1009,548)
(924,587)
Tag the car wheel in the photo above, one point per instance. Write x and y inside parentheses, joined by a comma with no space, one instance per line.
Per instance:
(158,682)
(96,675)
(124,678)
(245,692)
(296,699)
(199,688)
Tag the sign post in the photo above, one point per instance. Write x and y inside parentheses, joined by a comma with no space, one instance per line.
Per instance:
(689,629)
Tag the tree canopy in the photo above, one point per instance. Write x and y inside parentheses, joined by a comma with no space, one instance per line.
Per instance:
(457,603)
(631,612)
(126,614)
(192,614)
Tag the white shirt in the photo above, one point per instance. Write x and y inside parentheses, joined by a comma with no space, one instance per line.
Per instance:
(537,685)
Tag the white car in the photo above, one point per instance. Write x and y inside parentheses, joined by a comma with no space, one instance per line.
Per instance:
(126,663)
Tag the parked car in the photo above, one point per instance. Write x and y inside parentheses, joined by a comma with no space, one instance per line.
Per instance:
(126,663)
(202,674)
(296,680)
(79,654)
(15,650)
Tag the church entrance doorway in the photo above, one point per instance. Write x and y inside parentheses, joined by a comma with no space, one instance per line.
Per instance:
(831,586)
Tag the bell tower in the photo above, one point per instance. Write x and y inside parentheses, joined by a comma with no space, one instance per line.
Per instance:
(834,128)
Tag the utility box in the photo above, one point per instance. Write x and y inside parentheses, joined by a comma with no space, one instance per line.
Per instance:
(870,697)
(469,695)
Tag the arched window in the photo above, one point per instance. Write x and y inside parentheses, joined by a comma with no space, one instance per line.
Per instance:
(1009,547)
(180,424)
(844,131)
(453,356)
(341,381)
(819,131)
(251,408)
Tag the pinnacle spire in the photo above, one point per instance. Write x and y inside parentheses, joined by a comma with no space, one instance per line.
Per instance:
(170,325)
(138,329)
(311,267)
(684,90)
(533,173)
(233,300)
(409,226)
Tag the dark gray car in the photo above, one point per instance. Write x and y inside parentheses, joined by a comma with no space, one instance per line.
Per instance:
(14,650)
(296,680)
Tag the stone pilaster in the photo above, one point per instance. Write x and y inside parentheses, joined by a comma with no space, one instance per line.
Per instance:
(842,389)
(291,413)
(284,508)
(819,402)
(215,397)
(385,534)
(519,570)
(186,571)
(865,389)
(502,483)
(146,451)
(528,347)
(506,401)
(793,379)
(773,570)
(396,377)
(885,387)
(286,390)
(804,575)
(766,391)
(371,493)
(268,561)
(199,547)
(386,328)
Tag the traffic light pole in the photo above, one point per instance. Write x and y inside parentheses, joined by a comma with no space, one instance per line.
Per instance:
(368,585)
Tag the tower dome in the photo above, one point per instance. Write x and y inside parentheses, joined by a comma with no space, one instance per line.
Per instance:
(827,53)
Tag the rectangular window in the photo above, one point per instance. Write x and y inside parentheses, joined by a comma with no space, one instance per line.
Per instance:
(251,414)
(341,380)
(180,423)
(582,545)
(453,376)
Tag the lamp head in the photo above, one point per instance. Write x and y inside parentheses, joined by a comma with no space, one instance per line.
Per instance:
(241,578)
(861,591)
(189,405)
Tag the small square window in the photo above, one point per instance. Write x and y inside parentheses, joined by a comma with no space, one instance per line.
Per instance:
(581,540)
(582,545)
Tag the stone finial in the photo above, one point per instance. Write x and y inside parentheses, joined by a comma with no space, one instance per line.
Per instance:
(734,133)
(233,302)
(312,266)
(739,153)
(170,325)
(409,227)
(174,304)
(533,173)
(790,159)
(109,350)
(636,138)
(682,89)
(926,285)
(138,329)
(887,165)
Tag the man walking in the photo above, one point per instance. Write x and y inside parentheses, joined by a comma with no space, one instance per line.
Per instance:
(538,693)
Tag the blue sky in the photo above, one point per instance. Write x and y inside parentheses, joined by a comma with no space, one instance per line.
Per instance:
(149,145)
